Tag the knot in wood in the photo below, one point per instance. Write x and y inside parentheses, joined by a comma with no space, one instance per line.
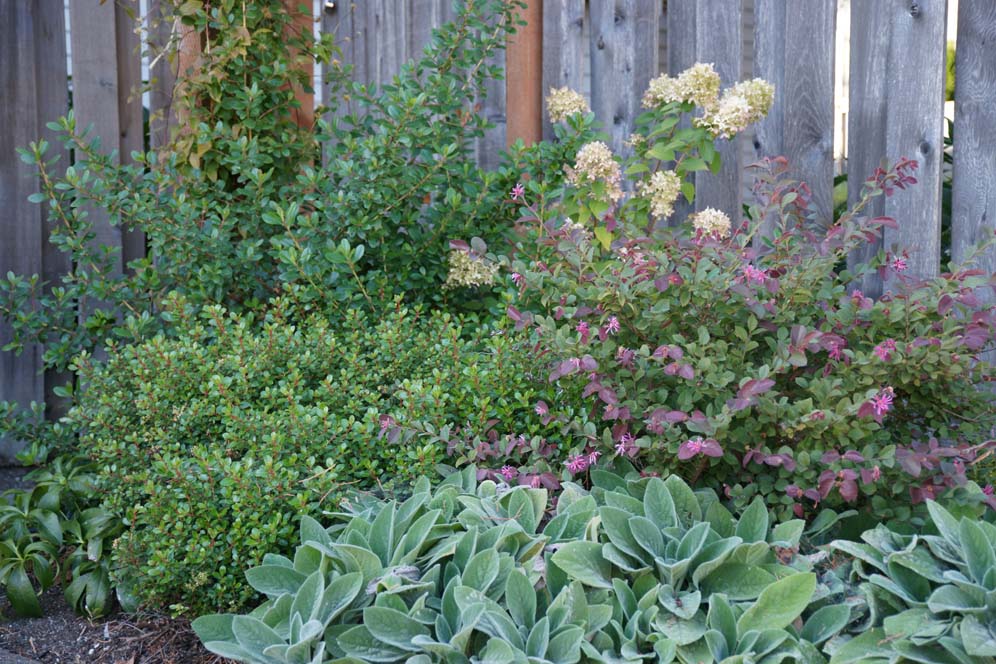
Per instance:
(915,9)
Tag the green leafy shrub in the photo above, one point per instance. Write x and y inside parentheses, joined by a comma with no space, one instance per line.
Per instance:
(639,569)
(240,207)
(211,443)
(791,385)
(930,597)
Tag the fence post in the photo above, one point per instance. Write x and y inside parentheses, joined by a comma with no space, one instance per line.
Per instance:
(524,77)
(794,50)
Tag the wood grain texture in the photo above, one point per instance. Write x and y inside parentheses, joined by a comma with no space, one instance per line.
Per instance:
(563,49)
(131,134)
(624,53)
(386,48)
(915,129)
(794,50)
(162,74)
(52,94)
(95,90)
(897,110)
(867,114)
(339,22)
(710,31)
(492,105)
(974,195)
(20,221)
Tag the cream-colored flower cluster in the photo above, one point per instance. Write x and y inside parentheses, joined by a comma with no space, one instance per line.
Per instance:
(562,103)
(662,189)
(741,106)
(711,221)
(699,84)
(595,162)
(468,270)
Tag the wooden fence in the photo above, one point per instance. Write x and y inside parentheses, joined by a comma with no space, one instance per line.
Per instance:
(610,49)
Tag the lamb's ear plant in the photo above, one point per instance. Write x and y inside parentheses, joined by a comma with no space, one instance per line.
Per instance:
(931,597)
(467,572)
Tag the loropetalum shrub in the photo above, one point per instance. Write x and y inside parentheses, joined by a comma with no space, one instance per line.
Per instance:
(639,569)
(212,442)
(926,597)
(737,353)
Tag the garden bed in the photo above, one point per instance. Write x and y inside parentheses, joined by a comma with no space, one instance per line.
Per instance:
(62,637)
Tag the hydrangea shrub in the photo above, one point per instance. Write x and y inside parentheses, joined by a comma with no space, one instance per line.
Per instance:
(739,357)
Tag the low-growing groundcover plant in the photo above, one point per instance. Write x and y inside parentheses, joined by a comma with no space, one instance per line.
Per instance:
(737,353)
(210,443)
(638,569)
(55,532)
(930,597)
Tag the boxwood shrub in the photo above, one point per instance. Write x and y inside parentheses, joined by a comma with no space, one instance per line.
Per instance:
(213,441)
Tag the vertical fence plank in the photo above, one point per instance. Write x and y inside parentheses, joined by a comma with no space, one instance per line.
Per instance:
(20,221)
(563,49)
(794,50)
(423,17)
(53,102)
(974,195)
(916,76)
(897,110)
(386,49)
(867,114)
(493,107)
(131,136)
(162,73)
(624,53)
(339,22)
(95,90)
(710,31)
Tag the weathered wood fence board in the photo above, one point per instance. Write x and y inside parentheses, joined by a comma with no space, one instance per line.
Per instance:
(800,124)
(915,128)
(867,112)
(93,38)
(974,196)
(710,31)
(624,52)
(897,110)
(20,222)
(52,101)
(608,49)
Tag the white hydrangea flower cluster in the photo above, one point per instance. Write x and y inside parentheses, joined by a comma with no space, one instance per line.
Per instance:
(562,103)
(741,106)
(699,85)
(469,270)
(724,116)
(711,221)
(662,189)
(595,162)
